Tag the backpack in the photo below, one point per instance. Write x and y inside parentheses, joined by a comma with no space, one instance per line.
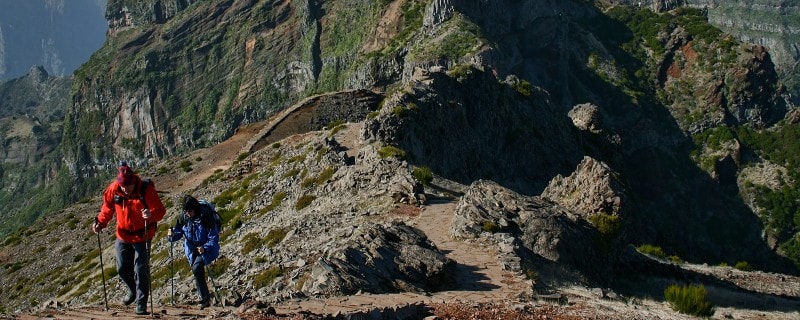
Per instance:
(208,216)
(210,210)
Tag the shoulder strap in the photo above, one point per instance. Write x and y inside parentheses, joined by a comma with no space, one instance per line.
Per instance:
(144,185)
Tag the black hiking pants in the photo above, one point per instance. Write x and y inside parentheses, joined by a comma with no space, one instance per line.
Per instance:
(198,269)
(133,269)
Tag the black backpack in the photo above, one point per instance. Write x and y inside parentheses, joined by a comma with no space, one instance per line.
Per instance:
(208,216)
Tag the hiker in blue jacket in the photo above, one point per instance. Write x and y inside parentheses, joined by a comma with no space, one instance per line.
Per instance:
(196,225)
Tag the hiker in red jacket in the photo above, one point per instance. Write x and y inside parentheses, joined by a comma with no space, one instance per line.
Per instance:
(136,204)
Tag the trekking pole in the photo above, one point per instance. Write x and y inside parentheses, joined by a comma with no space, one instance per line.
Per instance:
(211,276)
(149,280)
(172,272)
(102,271)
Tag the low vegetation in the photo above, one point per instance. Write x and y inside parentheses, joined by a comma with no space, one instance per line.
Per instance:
(304,201)
(423,175)
(691,300)
(652,250)
(743,266)
(266,277)
(391,151)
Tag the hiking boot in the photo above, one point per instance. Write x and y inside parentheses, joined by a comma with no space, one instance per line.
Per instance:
(129,299)
(205,303)
(141,309)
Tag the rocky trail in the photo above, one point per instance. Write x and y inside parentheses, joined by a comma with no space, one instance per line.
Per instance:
(482,288)
(479,277)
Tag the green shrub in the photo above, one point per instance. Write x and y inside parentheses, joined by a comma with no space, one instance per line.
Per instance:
(277,199)
(252,241)
(391,151)
(242,156)
(524,88)
(399,111)
(675,259)
(110,272)
(460,71)
(423,174)
(689,300)
(304,201)
(291,173)
(744,266)
(489,226)
(337,128)
(12,240)
(608,225)
(266,277)
(298,158)
(219,266)
(652,250)
(323,177)
(274,237)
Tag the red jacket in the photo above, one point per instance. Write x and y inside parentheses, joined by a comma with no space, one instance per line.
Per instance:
(130,224)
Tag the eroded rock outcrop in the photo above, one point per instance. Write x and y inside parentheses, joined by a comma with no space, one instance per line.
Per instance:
(547,233)
(381,259)
(520,140)
(592,189)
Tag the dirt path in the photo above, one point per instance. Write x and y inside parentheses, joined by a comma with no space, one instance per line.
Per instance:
(211,159)
(127,313)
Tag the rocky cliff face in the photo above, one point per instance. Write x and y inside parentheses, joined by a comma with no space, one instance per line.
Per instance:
(177,75)
(31,111)
(771,24)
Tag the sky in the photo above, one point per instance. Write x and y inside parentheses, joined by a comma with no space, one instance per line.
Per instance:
(57,34)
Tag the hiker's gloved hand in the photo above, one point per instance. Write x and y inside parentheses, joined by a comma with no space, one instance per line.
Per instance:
(97,227)
(146,213)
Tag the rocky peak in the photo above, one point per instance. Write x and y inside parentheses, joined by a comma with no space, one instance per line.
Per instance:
(535,226)
(37,73)
(592,189)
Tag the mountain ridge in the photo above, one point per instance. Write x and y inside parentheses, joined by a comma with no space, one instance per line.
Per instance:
(637,137)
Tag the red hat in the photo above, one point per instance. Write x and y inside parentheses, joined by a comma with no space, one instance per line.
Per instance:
(125,175)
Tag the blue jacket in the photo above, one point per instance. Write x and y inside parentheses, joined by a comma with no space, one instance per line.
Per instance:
(197,234)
